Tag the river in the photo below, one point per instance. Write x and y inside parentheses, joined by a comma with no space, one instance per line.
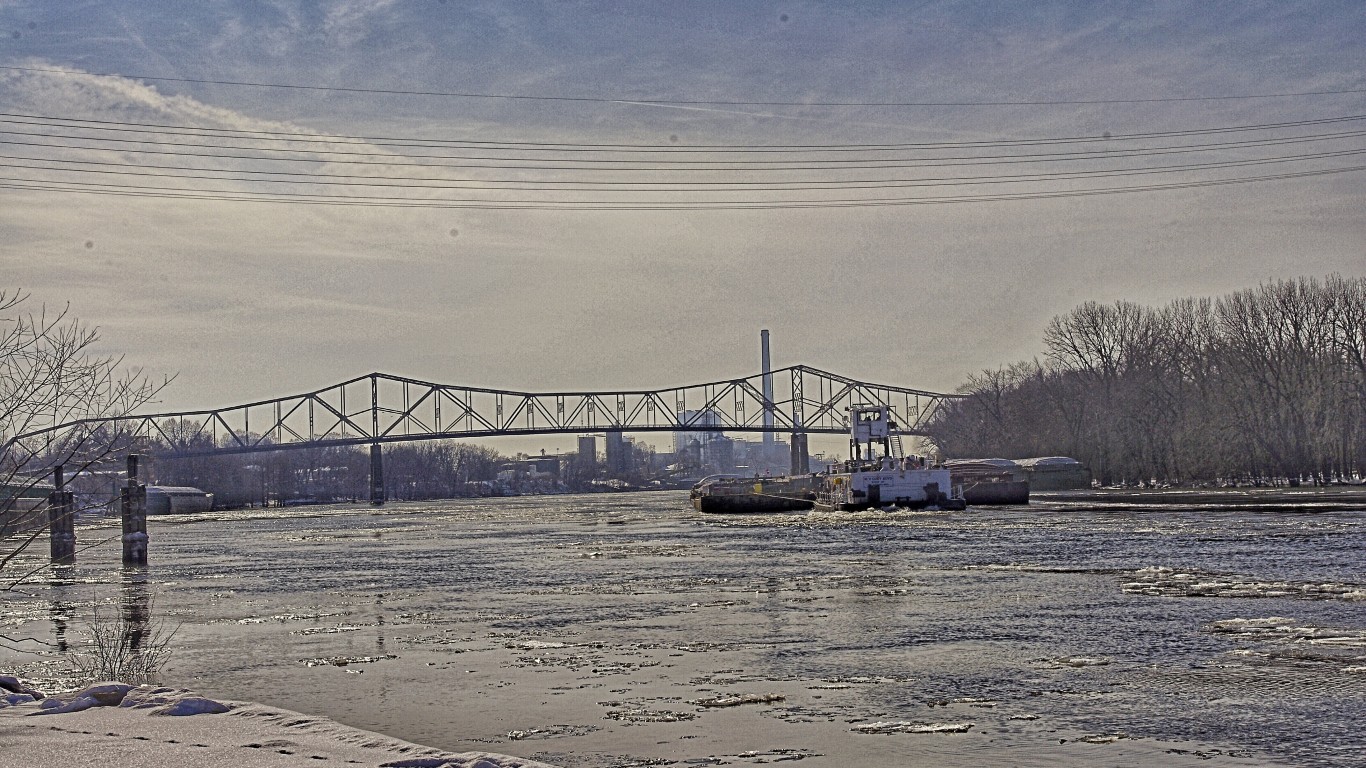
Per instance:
(626,629)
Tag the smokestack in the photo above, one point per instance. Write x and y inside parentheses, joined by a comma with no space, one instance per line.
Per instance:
(768,388)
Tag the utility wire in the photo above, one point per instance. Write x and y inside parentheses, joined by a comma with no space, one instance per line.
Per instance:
(520,163)
(684,102)
(379,202)
(436,183)
(591,177)
(414,142)
(949,163)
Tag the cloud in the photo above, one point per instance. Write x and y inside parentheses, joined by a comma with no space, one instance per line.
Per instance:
(254,299)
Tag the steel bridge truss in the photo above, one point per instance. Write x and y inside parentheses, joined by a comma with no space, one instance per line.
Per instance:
(379,408)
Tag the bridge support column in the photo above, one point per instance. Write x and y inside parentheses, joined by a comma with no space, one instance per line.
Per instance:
(61,520)
(376,474)
(134,500)
(801,457)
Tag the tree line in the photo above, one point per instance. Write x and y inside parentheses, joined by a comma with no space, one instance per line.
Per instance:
(439,469)
(1263,385)
(432,470)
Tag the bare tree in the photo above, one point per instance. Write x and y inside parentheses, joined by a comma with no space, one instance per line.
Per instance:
(56,394)
(1266,384)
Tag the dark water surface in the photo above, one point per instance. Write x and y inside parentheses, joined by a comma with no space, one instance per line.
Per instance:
(590,630)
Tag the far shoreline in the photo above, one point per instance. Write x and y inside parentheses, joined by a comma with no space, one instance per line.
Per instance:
(1315,498)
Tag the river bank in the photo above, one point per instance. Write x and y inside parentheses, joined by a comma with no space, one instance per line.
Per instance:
(1326,498)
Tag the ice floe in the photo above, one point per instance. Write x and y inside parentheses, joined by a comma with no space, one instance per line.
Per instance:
(735,701)
(1164,582)
(342,661)
(903,726)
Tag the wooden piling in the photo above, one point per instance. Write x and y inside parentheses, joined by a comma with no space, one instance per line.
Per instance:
(134,501)
(61,520)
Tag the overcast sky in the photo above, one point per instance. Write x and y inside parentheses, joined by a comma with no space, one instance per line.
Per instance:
(251,300)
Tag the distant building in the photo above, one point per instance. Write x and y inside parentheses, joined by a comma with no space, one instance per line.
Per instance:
(719,455)
(21,501)
(618,454)
(772,457)
(588,451)
(169,500)
(708,418)
(543,465)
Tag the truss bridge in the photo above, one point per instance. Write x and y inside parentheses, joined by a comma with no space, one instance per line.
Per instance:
(379,408)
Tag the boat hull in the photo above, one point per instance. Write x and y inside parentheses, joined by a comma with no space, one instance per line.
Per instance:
(946,503)
(999,492)
(741,504)
(742,495)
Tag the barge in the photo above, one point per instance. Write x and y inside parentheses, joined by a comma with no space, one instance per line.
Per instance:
(731,495)
(989,481)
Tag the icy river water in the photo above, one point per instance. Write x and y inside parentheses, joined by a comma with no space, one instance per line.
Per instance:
(627,629)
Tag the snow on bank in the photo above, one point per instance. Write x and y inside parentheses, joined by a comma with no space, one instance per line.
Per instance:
(144,726)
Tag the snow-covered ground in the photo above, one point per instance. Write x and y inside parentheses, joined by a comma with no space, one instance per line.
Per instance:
(127,726)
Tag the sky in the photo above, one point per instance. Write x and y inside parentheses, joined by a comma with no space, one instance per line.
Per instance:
(247,300)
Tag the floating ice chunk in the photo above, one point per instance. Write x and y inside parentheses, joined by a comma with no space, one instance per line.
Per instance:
(735,701)
(1103,738)
(468,760)
(1081,661)
(1250,626)
(341,661)
(902,726)
(642,715)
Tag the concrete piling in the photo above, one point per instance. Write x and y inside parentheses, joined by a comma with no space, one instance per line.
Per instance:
(61,520)
(376,474)
(134,501)
(801,457)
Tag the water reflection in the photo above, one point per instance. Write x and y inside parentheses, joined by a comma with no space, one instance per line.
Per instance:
(60,608)
(379,623)
(135,607)
(59,611)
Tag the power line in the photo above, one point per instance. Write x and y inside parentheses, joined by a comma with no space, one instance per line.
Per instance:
(685,102)
(300,168)
(520,163)
(430,183)
(415,142)
(379,202)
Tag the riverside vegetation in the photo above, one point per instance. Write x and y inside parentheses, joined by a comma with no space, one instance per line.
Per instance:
(1264,385)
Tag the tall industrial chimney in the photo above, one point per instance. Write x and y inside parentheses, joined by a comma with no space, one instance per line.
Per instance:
(768,389)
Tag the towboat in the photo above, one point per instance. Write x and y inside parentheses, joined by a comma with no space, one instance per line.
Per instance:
(868,480)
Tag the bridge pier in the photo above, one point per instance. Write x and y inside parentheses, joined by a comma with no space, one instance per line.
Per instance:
(61,520)
(376,474)
(133,498)
(801,457)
